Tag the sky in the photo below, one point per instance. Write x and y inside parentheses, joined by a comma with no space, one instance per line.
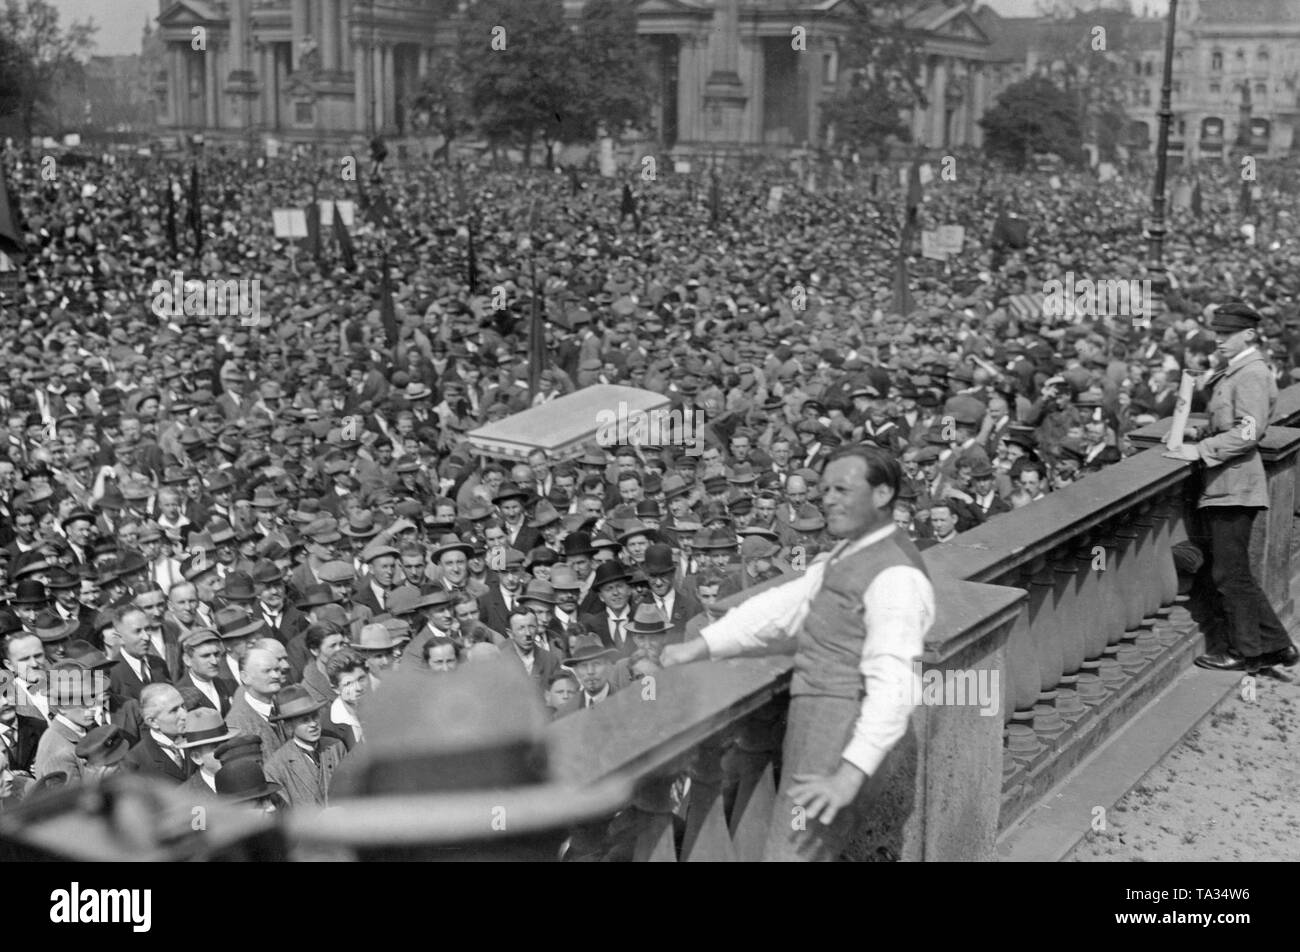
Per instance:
(121,21)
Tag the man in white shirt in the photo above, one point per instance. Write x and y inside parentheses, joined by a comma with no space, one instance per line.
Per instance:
(24,656)
(870,599)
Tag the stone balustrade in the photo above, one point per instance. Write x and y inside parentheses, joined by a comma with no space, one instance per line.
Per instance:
(1072,611)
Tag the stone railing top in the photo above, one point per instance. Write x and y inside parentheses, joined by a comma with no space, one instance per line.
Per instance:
(990,551)
(1278,442)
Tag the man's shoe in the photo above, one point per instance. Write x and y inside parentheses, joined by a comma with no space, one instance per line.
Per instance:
(1287,657)
(1228,662)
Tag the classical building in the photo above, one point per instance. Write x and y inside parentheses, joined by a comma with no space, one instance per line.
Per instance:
(1236,74)
(726,72)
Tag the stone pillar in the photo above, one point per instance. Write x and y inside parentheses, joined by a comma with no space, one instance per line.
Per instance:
(688,91)
(938,103)
(921,116)
(726,51)
(360,88)
(424,61)
(757,101)
(378,93)
(238,34)
(390,85)
(270,86)
(175,84)
(212,86)
(299,14)
(979,90)
(330,35)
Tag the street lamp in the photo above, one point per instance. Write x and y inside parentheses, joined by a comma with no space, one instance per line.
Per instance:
(1156,229)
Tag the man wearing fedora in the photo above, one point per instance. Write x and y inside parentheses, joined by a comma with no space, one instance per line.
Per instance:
(613,587)
(156,754)
(73,705)
(373,589)
(1243,393)
(591,660)
(435,610)
(202,654)
(64,588)
(303,765)
(451,557)
(510,499)
(377,645)
(205,732)
(856,623)
(282,620)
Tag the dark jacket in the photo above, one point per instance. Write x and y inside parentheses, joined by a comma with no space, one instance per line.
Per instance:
(124,685)
(148,758)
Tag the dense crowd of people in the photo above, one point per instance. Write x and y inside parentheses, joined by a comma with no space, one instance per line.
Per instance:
(222,533)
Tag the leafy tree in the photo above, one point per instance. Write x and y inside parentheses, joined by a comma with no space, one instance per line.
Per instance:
(519,93)
(1031,116)
(442,102)
(884,59)
(36,55)
(1099,81)
(617,92)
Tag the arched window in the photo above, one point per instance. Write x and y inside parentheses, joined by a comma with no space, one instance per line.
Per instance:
(1241,54)
(1262,55)
(1216,61)
(1215,89)
(1261,90)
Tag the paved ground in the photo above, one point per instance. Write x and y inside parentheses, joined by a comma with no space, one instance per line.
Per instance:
(1229,791)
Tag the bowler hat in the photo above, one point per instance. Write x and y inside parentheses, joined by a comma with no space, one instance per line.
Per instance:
(242,779)
(659,560)
(612,571)
(28,591)
(578,543)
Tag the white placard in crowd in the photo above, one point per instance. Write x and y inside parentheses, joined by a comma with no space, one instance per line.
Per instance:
(1106,171)
(951,238)
(1182,410)
(289,222)
(607,165)
(1054,181)
(72,140)
(681,167)
(272,148)
(774,197)
(347,211)
(930,246)
(1248,232)
(927,174)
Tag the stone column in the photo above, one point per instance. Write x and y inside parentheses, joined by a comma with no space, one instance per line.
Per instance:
(979,90)
(757,100)
(920,116)
(360,89)
(175,84)
(268,85)
(299,14)
(938,104)
(238,34)
(688,93)
(378,93)
(330,35)
(212,86)
(390,85)
(424,61)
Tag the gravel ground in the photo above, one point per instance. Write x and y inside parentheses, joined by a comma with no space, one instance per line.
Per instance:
(1230,791)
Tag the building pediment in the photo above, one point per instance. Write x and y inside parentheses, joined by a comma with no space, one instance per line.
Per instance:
(190,13)
(949,23)
(673,8)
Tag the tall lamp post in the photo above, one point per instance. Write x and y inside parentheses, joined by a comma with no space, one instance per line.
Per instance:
(1156,230)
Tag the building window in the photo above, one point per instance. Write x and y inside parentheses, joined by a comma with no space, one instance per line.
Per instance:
(1262,55)
(1147,68)
(1216,61)
(1182,128)
(1261,90)
(304,112)
(1137,68)
(830,70)
(1177,88)
(1215,89)
(1146,96)
(1241,55)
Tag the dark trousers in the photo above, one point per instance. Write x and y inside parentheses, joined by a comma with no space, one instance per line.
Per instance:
(1252,625)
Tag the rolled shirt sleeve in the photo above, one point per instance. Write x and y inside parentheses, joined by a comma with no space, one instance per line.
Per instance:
(766,623)
(899,611)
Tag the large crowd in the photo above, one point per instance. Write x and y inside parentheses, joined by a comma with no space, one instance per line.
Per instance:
(222,533)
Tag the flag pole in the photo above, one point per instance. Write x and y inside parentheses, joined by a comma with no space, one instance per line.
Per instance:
(1156,229)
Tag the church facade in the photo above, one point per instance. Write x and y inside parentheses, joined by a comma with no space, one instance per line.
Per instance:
(726,73)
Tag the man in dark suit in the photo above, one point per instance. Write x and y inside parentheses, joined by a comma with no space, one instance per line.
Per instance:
(65,591)
(202,653)
(526,648)
(675,605)
(502,596)
(157,754)
(283,621)
(615,593)
(984,494)
(138,665)
(511,499)
(19,733)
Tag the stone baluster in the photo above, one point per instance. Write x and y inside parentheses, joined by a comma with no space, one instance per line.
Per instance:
(707,838)
(1129,570)
(752,763)
(1071,618)
(1049,652)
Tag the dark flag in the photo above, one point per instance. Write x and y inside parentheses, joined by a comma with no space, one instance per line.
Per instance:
(471,262)
(11,239)
(1197,201)
(363,200)
(628,207)
(914,192)
(1010,232)
(171,217)
(715,200)
(902,293)
(196,211)
(313,231)
(536,330)
(574,182)
(1246,197)
(387,313)
(344,239)
(875,183)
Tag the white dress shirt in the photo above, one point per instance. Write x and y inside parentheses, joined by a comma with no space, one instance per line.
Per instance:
(340,714)
(899,610)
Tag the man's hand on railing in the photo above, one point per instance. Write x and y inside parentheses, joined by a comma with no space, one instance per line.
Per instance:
(694,650)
